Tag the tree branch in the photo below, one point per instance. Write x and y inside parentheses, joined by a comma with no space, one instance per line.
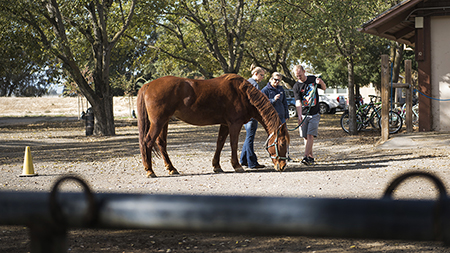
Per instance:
(125,25)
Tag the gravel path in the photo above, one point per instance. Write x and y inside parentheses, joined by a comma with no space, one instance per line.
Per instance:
(347,167)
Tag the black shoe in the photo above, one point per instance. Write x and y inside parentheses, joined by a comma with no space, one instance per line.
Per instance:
(244,164)
(308,161)
(305,161)
(258,166)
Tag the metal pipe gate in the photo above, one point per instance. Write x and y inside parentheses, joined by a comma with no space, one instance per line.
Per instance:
(49,216)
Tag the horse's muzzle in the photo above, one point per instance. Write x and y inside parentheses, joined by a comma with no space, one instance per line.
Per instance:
(280,165)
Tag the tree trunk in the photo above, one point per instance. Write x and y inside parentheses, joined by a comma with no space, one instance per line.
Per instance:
(357,90)
(396,57)
(351,97)
(397,62)
(102,99)
(396,67)
(104,116)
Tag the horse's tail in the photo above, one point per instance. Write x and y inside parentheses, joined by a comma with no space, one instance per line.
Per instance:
(144,123)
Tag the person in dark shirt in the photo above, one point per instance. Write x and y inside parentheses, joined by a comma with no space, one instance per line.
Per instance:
(307,104)
(275,92)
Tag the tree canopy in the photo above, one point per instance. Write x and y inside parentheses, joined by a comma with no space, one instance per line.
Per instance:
(77,33)
(98,46)
(23,70)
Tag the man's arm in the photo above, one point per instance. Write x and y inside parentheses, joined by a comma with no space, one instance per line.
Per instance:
(298,105)
(322,84)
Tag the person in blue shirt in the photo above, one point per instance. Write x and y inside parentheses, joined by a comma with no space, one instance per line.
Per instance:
(275,92)
(248,156)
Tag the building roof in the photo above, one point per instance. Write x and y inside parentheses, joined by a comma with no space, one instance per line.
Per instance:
(398,23)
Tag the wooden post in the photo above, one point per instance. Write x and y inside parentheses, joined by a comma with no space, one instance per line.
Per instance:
(423,58)
(384,97)
(409,93)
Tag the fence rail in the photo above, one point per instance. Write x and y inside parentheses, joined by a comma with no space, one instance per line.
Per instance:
(347,218)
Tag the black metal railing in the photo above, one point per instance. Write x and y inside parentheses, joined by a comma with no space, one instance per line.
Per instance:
(49,216)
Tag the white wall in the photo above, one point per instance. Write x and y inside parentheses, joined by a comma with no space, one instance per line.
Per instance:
(440,72)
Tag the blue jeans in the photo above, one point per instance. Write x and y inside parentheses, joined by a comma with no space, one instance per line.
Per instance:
(248,156)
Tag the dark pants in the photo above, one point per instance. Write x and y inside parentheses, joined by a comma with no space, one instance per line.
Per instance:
(248,155)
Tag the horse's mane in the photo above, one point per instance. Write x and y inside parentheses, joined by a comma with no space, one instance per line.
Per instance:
(259,101)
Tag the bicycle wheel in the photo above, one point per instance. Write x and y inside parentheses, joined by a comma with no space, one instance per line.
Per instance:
(415,114)
(375,118)
(395,122)
(345,122)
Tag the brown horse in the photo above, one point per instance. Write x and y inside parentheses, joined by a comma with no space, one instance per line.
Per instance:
(228,100)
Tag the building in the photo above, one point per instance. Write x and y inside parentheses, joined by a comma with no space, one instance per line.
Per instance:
(424,26)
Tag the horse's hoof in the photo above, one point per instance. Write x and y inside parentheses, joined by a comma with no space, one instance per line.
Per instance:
(239,169)
(174,172)
(218,170)
(151,175)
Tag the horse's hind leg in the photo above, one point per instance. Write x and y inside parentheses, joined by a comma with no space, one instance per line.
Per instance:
(162,144)
(223,133)
(146,148)
(147,159)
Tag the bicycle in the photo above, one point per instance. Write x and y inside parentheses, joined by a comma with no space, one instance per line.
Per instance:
(365,115)
(415,113)
(370,114)
(395,122)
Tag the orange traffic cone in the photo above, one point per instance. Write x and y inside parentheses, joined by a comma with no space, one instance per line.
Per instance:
(28,168)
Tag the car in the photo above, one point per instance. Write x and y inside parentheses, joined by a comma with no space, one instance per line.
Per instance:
(327,103)
(291,103)
(331,104)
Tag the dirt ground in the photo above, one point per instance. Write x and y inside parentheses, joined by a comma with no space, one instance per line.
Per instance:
(347,167)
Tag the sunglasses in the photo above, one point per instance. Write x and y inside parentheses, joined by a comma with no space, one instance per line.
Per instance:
(276,80)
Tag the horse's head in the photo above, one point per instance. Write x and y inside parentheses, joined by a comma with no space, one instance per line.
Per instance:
(277,144)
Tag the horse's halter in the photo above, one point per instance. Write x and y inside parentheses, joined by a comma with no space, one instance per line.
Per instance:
(275,143)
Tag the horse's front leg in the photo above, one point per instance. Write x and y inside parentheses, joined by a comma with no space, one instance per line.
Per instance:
(223,133)
(162,144)
(234,140)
